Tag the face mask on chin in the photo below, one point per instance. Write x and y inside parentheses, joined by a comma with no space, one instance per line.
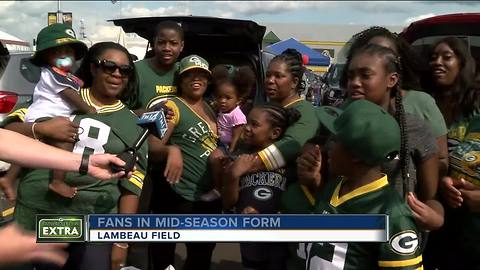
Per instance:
(64,63)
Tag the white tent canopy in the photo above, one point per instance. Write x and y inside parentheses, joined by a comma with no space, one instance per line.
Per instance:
(13,43)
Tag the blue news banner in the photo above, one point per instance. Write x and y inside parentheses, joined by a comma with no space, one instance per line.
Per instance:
(236,228)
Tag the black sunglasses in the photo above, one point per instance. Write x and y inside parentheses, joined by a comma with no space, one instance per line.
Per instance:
(110,67)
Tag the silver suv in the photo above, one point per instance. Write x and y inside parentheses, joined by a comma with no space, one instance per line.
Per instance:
(18,78)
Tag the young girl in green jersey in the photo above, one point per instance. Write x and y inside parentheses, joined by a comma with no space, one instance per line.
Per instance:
(247,193)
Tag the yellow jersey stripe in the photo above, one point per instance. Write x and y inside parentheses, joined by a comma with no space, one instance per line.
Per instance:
(158,99)
(176,112)
(377,184)
(85,94)
(308,195)
(276,156)
(293,102)
(134,181)
(270,158)
(265,160)
(8,212)
(20,113)
(139,174)
(208,110)
(420,268)
(140,180)
(402,263)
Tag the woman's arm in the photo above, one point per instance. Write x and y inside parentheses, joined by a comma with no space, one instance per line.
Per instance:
(158,148)
(59,128)
(287,149)
(427,210)
(442,155)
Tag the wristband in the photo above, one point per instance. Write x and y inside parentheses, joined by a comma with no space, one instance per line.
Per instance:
(33,131)
(83,169)
(122,246)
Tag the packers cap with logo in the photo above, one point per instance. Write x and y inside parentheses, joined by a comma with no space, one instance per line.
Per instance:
(192,62)
(55,35)
(366,130)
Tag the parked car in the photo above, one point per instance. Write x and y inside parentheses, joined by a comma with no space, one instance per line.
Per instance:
(422,34)
(18,78)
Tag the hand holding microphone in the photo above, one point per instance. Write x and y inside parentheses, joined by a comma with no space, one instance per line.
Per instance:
(153,122)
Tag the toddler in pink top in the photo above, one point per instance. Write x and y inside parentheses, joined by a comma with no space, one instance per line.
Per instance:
(232,87)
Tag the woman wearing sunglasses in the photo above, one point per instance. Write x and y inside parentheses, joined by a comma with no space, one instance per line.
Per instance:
(109,76)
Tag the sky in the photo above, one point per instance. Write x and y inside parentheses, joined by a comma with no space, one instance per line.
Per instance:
(24,19)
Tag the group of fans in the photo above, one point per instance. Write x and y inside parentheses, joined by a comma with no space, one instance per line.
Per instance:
(404,143)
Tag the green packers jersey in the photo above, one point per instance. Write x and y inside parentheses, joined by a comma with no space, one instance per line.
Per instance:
(111,130)
(465,163)
(401,252)
(197,141)
(153,84)
(465,156)
(297,199)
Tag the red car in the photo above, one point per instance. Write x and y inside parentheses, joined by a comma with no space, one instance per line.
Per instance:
(423,33)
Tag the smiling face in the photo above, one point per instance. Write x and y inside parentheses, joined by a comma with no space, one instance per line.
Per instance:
(110,85)
(444,65)
(279,81)
(168,46)
(368,79)
(258,132)
(193,83)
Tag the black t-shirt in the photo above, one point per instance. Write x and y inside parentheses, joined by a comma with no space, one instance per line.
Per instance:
(262,191)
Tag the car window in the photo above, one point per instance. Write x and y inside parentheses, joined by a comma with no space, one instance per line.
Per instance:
(29,71)
(20,76)
(423,46)
(3,63)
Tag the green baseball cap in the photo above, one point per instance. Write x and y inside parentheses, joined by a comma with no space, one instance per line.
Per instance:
(368,131)
(55,35)
(191,62)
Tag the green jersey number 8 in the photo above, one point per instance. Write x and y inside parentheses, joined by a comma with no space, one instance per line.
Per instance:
(99,132)
(319,255)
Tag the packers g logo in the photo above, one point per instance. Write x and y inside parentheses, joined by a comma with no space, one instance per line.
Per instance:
(198,62)
(404,243)
(263,193)
(70,32)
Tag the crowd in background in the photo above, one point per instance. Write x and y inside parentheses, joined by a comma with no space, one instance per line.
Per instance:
(404,142)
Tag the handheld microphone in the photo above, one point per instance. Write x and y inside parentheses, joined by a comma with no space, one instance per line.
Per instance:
(153,123)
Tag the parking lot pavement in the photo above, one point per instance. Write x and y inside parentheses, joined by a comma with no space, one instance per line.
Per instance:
(226,256)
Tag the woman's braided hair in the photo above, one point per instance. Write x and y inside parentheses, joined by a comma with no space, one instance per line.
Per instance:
(413,66)
(294,61)
(280,117)
(393,64)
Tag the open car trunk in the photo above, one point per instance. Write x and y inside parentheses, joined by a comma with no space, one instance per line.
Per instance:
(218,40)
